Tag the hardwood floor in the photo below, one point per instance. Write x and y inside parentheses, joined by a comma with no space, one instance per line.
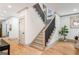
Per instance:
(18,49)
(60,48)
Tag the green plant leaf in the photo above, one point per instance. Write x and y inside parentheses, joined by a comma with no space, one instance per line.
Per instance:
(64,31)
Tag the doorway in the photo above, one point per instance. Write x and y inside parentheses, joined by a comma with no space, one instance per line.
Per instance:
(22,30)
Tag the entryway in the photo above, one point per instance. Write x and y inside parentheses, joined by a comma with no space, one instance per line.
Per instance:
(21,30)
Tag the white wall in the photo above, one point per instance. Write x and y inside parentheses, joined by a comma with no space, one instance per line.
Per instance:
(65,20)
(55,35)
(15,28)
(34,25)
(4,28)
(14,22)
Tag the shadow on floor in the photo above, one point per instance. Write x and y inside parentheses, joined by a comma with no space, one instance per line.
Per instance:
(77,51)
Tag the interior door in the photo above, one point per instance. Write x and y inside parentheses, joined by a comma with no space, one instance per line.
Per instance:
(22,30)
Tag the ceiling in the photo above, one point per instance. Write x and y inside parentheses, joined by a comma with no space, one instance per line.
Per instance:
(64,8)
(60,8)
(10,9)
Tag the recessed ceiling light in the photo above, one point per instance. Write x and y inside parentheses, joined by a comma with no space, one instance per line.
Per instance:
(9,6)
(74,9)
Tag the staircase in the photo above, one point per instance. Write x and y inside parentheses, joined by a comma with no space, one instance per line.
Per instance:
(41,40)
(39,10)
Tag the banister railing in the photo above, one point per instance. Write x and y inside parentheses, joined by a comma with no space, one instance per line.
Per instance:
(40,12)
(49,30)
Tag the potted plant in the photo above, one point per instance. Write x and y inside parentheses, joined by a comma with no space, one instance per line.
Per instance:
(63,32)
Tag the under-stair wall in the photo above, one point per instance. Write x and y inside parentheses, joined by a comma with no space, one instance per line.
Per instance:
(34,25)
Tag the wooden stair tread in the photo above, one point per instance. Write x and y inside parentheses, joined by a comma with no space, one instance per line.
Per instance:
(37,47)
(38,42)
(40,36)
(41,33)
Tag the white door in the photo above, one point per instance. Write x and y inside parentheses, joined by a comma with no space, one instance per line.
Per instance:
(22,31)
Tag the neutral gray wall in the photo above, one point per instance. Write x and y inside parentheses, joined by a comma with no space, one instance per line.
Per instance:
(65,20)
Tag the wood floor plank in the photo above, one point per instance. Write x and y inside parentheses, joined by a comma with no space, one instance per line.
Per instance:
(63,48)
(60,48)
